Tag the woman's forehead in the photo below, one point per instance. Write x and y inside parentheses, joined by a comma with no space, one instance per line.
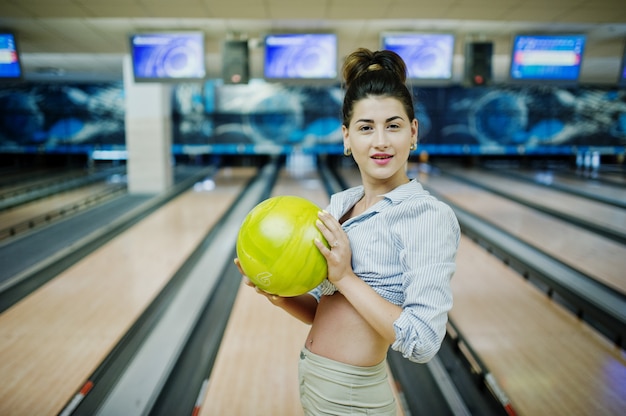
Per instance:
(375,108)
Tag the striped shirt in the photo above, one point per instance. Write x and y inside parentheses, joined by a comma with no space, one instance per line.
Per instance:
(404,247)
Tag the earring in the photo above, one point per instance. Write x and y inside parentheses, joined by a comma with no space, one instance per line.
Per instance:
(347,151)
(413,146)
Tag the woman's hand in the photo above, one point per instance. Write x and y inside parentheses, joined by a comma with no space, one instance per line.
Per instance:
(376,310)
(339,255)
(302,307)
(275,299)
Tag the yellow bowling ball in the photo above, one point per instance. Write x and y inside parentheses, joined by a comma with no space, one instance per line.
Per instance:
(276,248)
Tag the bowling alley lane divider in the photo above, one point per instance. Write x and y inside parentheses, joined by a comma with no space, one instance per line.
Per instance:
(479,368)
(69,409)
(130,380)
(55,186)
(200,398)
(62,212)
(599,305)
(17,287)
(597,227)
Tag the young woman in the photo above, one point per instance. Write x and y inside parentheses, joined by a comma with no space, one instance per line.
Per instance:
(391,256)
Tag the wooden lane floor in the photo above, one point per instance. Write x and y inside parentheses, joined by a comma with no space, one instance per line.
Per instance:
(256,368)
(545,359)
(65,200)
(589,186)
(599,257)
(592,211)
(255,371)
(54,339)
(35,177)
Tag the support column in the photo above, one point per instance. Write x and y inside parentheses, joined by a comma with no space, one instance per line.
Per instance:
(148,134)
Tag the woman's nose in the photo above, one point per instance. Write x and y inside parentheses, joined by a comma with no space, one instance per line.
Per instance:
(380,138)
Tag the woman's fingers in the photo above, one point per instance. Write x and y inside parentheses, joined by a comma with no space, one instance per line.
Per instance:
(248,282)
(330,229)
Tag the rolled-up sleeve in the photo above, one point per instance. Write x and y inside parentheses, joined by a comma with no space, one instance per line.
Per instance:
(428,239)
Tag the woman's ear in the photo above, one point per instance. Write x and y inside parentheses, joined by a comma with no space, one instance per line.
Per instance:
(346,139)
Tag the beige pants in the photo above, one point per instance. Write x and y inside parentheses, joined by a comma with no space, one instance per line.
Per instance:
(329,387)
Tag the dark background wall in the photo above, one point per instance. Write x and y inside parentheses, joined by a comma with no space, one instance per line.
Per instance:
(260,117)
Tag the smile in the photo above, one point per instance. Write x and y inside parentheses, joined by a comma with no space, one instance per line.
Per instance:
(381,159)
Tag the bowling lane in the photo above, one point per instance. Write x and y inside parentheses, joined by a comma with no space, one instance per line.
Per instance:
(614,174)
(598,257)
(545,359)
(14,177)
(52,206)
(256,368)
(54,339)
(615,177)
(591,211)
(26,180)
(587,186)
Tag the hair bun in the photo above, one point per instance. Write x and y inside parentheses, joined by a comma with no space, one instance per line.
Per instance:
(364,60)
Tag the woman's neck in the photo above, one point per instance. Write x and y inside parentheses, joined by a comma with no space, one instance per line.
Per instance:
(373,190)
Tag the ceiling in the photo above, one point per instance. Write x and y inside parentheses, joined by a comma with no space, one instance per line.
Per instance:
(87,39)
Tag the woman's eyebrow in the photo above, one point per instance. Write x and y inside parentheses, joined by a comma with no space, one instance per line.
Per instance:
(366,120)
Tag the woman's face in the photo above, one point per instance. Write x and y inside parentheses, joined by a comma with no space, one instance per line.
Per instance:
(380,135)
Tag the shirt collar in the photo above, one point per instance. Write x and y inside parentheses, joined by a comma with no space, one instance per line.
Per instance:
(395,196)
(404,191)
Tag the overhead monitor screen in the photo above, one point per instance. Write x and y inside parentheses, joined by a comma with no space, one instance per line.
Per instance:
(10,67)
(168,56)
(427,55)
(309,56)
(547,57)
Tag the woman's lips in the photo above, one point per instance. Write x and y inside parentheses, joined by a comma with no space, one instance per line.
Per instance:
(381,158)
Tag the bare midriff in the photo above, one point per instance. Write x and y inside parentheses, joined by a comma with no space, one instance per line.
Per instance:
(338,332)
